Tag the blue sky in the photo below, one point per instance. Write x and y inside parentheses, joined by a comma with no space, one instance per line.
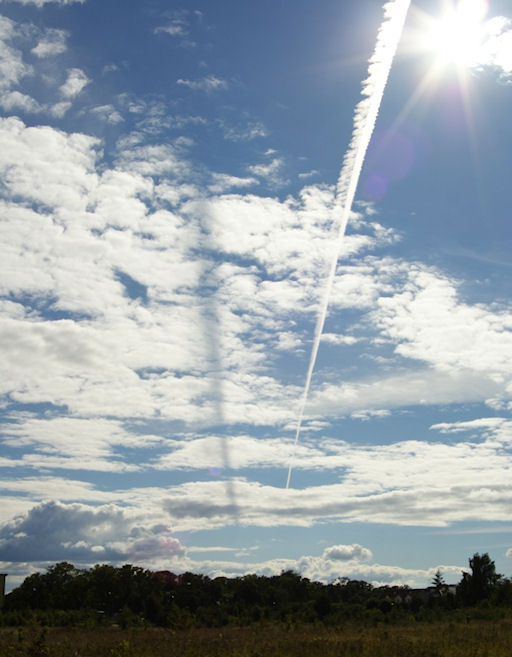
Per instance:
(168,177)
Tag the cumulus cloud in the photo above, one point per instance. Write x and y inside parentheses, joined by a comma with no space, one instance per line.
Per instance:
(496,49)
(337,339)
(251,130)
(317,568)
(471,481)
(107,113)
(61,174)
(208,84)
(269,170)
(491,424)
(87,535)
(12,66)
(54,532)
(179,25)
(58,110)
(52,43)
(74,443)
(308,174)
(75,82)
(146,300)
(378,494)
(429,323)
(41,3)
(15,100)
(115,221)
(347,553)
(108,296)
(152,160)
(174,29)
(223,182)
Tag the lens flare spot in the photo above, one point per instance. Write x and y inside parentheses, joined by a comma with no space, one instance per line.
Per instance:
(375,187)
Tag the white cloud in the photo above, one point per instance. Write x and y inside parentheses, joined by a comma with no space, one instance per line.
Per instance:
(337,339)
(308,174)
(366,415)
(52,43)
(74,443)
(12,66)
(389,484)
(58,110)
(252,130)
(107,113)
(175,29)
(75,268)
(491,423)
(75,82)
(153,160)
(56,532)
(384,499)
(320,569)
(428,322)
(114,355)
(179,25)
(288,240)
(270,170)
(354,552)
(84,534)
(384,391)
(223,182)
(208,84)
(47,166)
(41,3)
(288,341)
(15,100)
(496,50)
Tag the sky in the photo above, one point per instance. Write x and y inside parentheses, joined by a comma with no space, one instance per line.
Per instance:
(169,215)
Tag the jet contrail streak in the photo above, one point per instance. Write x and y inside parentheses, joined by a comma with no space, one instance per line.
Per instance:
(365,115)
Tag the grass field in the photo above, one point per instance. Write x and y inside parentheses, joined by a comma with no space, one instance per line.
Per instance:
(474,639)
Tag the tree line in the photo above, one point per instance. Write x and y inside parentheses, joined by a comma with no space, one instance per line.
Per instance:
(130,595)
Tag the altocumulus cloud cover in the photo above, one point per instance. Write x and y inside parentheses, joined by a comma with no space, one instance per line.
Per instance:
(168,220)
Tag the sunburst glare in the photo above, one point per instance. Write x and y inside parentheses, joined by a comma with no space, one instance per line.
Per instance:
(457,35)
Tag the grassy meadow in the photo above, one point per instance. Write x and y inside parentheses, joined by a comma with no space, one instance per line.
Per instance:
(472,639)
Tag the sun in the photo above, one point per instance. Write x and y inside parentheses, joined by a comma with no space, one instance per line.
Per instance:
(455,38)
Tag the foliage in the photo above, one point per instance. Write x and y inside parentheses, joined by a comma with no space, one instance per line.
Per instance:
(132,597)
(438,581)
(481,583)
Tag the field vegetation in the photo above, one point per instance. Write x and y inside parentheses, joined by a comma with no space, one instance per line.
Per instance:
(132,612)
(438,639)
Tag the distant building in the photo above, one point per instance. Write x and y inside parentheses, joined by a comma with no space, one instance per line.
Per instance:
(402,595)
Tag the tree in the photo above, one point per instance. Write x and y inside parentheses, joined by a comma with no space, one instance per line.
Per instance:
(439,584)
(438,580)
(59,588)
(480,583)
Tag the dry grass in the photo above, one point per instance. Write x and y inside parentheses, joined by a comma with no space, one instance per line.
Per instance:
(474,639)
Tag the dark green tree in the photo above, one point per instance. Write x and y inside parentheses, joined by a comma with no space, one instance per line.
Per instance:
(439,584)
(59,588)
(481,582)
(438,581)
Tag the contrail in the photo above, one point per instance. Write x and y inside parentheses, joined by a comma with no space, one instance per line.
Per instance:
(365,115)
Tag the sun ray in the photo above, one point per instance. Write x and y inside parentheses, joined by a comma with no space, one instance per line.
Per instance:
(452,40)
